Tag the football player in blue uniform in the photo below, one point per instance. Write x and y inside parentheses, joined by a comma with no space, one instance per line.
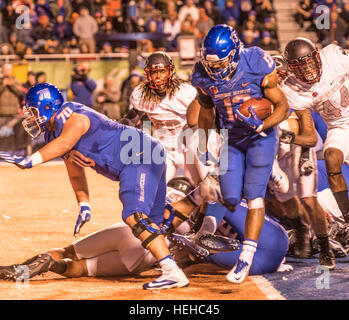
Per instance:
(227,75)
(121,153)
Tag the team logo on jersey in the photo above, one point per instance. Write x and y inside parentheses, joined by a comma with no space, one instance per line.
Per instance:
(214,90)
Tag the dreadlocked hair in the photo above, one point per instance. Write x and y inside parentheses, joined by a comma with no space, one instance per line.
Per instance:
(150,94)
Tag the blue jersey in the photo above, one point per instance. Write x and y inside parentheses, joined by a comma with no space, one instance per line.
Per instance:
(248,81)
(102,142)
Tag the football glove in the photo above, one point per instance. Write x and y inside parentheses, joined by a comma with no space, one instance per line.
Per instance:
(83,217)
(252,121)
(21,162)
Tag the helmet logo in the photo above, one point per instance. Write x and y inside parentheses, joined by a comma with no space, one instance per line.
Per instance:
(44,94)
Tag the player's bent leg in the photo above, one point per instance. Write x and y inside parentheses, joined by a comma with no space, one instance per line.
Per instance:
(334,159)
(152,239)
(297,219)
(62,253)
(319,223)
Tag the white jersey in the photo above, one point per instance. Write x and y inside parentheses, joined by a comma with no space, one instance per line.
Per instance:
(329,96)
(169,115)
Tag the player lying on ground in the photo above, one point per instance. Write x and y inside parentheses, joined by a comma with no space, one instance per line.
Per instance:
(118,152)
(98,254)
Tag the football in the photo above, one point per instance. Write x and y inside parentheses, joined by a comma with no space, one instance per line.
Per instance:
(262,106)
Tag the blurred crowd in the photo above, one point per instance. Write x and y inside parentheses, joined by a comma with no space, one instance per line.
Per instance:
(71,26)
(310,12)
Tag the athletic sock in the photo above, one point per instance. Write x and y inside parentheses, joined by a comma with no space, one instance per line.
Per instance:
(343,203)
(249,248)
(168,261)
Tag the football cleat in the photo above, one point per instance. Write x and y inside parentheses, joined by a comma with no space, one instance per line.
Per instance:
(28,269)
(218,243)
(239,272)
(188,242)
(171,278)
(8,273)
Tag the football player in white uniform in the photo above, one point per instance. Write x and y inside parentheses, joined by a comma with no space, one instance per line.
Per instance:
(298,137)
(171,106)
(320,81)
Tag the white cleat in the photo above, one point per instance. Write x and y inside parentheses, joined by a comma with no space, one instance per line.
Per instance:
(171,278)
(239,272)
(278,180)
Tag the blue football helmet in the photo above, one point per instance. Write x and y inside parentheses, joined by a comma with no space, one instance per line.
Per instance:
(220,51)
(41,102)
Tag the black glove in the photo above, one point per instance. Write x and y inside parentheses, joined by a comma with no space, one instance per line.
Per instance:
(287,136)
(305,164)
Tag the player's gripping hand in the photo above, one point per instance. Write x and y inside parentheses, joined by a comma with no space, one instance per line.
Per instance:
(252,121)
(21,162)
(84,216)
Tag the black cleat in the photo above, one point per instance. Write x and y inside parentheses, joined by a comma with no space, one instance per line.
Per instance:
(326,259)
(218,243)
(28,269)
(8,272)
(187,242)
(39,264)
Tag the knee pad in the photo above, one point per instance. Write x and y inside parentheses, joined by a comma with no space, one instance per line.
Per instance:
(144,224)
(257,203)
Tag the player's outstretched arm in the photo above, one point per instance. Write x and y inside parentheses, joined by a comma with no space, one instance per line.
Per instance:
(281,109)
(79,184)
